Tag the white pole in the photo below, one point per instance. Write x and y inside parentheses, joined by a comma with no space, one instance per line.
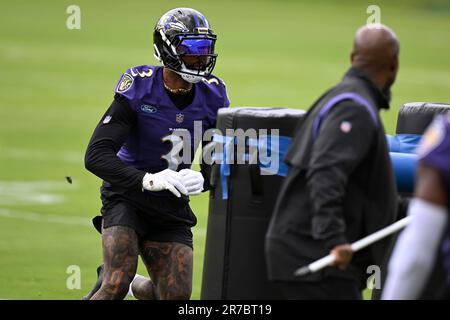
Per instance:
(356,246)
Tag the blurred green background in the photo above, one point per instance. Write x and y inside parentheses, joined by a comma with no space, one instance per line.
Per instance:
(56,83)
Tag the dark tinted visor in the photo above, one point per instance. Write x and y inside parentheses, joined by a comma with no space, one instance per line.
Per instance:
(196,47)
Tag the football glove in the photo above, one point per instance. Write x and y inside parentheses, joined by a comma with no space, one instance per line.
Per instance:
(193,181)
(165,180)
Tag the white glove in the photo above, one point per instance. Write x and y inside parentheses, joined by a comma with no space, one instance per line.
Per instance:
(192,180)
(164,180)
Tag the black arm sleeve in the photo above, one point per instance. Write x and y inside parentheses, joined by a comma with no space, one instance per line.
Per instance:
(110,134)
(343,142)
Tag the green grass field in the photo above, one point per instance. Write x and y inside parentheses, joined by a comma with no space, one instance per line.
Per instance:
(56,83)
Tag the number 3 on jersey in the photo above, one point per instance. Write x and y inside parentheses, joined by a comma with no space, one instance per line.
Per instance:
(174,157)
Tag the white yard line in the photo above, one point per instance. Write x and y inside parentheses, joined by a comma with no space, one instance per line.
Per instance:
(46,218)
(68,220)
(42,155)
(34,192)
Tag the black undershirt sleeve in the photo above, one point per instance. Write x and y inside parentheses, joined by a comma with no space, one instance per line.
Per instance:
(110,134)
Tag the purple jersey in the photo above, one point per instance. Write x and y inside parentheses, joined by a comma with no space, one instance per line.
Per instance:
(434,151)
(149,145)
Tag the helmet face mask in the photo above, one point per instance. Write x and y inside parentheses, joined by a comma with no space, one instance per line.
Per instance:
(184,42)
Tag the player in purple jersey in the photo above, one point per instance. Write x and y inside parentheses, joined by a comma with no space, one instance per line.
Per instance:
(143,148)
(416,250)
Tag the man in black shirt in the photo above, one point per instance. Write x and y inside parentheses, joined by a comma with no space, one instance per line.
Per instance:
(340,185)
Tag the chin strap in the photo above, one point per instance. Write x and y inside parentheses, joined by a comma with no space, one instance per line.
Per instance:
(188,75)
(190,78)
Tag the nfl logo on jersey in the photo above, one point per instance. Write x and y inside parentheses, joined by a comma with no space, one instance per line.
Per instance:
(179,118)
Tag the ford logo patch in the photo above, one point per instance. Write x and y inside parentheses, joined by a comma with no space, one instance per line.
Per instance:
(148,109)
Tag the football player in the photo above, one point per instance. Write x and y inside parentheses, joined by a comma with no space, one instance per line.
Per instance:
(146,173)
(417,248)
